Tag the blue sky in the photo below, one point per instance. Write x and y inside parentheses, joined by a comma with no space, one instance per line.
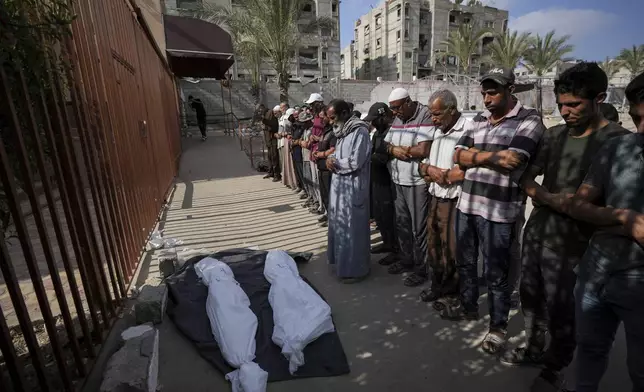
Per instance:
(598,28)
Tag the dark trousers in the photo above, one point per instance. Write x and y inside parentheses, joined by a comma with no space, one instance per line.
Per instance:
(299,174)
(603,301)
(441,243)
(274,168)
(411,203)
(201,122)
(547,298)
(494,239)
(382,196)
(325,187)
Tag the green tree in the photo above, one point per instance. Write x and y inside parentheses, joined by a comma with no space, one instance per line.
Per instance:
(543,54)
(633,60)
(508,48)
(270,30)
(610,67)
(464,44)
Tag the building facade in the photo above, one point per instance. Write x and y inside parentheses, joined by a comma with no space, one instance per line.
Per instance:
(405,39)
(318,57)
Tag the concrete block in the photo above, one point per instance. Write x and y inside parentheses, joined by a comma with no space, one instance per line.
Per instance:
(151,304)
(135,367)
(136,331)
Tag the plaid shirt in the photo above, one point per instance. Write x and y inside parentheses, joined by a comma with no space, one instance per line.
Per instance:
(486,192)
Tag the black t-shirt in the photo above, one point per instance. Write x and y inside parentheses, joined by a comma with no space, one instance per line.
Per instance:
(564,161)
(328,141)
(296,150)
(198,107)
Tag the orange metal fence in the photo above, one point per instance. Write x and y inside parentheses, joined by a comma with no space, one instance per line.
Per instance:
(86,161)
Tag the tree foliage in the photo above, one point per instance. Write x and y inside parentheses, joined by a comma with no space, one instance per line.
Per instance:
(610,67)
(633,60)
(508,48)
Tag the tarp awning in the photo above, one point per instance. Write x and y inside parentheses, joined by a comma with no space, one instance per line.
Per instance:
(197,48)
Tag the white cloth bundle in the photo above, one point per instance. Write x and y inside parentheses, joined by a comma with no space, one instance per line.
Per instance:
(233,324)
(300,315)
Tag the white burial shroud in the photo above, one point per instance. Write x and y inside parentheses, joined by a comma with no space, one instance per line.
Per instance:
(233,325)
(300,315)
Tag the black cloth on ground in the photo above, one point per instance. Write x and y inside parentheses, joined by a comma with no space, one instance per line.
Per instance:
(324,357)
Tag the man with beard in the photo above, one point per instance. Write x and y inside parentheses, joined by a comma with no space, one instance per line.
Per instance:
(409,140)
(494,149)
(382,193)
(271,129)
(610,285)
(554,243)
(349,235)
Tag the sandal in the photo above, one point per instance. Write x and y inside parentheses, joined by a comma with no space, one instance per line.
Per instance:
(494,343)
(414,280)
(398,268)
(441,303)
(429,295)
(388,260)
(455,312)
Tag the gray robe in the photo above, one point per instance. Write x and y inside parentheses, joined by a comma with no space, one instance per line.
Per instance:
(349,232)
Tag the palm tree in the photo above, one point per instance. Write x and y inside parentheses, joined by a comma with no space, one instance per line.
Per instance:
(633,60)
(508,48)
(463,44)
(270,30)
(543,54)
(610,67)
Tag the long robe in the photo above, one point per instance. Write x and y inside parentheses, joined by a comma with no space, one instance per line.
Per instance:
(349,233)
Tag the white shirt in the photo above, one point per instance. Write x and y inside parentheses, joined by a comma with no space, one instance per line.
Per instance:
(282,123)
(441,155)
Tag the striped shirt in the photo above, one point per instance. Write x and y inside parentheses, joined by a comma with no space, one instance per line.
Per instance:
(417,129)
(442,156)
(486,192)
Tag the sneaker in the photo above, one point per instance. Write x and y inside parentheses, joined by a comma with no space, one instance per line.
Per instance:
(323,224)
(203,138)
(323,218)
(269,175)
(297,190)
(304,196)
(277,179)
(522,356)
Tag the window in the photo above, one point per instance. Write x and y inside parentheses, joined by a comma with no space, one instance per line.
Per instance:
(467,20)
(407,55)
(406,11)
(367,30)
(355,33)
(451,60)
(378,21)
(334,8)
(551,70)
(398,35)
(378,42)
(395,57)
(307,8)
(398,76)
(489,24)
(342,58)
(452,18)
(398,11)
(406,34)
(505,26)
(424,17)
(323,55)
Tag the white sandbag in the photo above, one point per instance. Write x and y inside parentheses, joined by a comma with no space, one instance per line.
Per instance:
(233,325)
(300,315)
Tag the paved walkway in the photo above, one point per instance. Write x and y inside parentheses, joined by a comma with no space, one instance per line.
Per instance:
(393,341)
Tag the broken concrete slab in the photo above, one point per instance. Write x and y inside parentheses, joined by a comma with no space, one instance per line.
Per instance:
(136,331)
(151,304)
(134,367)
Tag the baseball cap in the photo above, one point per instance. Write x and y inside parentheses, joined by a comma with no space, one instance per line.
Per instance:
(502,76)
(376,110)
(315,97)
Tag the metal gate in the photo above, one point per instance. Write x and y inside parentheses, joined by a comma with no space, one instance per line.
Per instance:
(88,153)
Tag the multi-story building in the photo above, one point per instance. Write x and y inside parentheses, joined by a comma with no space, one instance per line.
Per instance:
(405,39)
(317,57)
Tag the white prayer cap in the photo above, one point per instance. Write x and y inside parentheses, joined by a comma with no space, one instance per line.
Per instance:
(277,108)
(398,94)
(363,116)
(289,112)
(315,97)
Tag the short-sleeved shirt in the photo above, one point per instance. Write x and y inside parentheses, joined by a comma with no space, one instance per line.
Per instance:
(442,156)
(618,172)
(488,193)
(564,161)
(417,129)
(317,130)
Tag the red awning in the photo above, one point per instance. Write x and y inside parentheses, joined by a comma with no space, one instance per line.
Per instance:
(197,48)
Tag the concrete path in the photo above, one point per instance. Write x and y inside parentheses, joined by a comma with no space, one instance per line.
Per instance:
(393,341)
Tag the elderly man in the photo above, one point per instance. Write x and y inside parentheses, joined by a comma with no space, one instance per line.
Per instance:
(444,179)
(316,103)
(408,142)
(349,238)
(495,149)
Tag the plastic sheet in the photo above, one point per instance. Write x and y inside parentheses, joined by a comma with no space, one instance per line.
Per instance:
(233,325)
(157,241)
(300,315)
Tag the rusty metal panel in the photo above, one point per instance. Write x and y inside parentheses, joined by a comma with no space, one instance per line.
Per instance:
(88,153)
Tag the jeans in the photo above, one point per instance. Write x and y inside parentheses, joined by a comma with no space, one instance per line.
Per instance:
(494,240)
(603,301)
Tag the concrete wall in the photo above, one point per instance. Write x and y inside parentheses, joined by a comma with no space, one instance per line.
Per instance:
(153,13)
